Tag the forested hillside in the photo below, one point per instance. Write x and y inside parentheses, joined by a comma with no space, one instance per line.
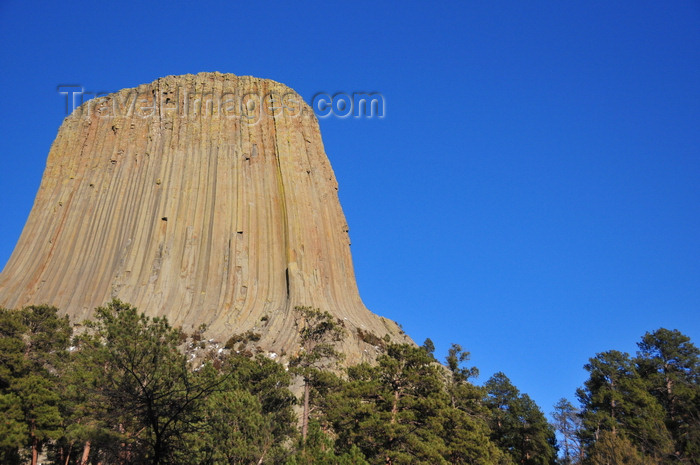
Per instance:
(124,388)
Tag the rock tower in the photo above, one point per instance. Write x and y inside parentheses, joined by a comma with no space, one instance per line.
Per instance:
(206,198)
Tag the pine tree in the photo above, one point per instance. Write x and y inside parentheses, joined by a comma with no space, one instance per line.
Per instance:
(319,449)
(400,411)
(616,449)
(13,428)
(14,431)
(39,402)
(318,334)
(153,398)
(615,399)
(463,394)
(34,343)
(237,431)
(519,426)
(84,403)
(262,385)
(669,363)
(391,410)
(567,422)
(466,425)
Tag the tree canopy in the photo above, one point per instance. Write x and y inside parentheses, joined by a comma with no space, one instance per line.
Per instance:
(131,389)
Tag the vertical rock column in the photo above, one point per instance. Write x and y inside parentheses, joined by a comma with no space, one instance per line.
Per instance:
(206,198)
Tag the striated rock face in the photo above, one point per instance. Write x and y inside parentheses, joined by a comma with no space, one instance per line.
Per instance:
(207,199)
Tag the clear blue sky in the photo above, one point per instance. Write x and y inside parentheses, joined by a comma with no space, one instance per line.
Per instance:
(532,193)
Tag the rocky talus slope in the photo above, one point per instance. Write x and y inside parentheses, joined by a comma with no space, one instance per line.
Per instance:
(207,198)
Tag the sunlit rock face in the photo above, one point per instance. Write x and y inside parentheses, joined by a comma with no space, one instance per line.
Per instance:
(206,198)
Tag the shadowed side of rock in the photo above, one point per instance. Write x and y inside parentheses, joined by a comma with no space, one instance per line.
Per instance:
(206,198)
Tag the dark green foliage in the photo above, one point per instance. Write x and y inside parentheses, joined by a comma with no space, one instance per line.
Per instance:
(319,332)
(456,356)
(235,428)
(149,405)
(151,397)
(670,366)
(46,336)
(429,347)
(616,449)
(399,411)
(319,448)
(33,351)
(14,430)
(388,410)
(12,346)
(463,394)
(646,409)
(615,399)
(518,425)
(255,408)
(125,393)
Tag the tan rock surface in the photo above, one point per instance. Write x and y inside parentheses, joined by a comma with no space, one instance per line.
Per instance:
(207,198)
